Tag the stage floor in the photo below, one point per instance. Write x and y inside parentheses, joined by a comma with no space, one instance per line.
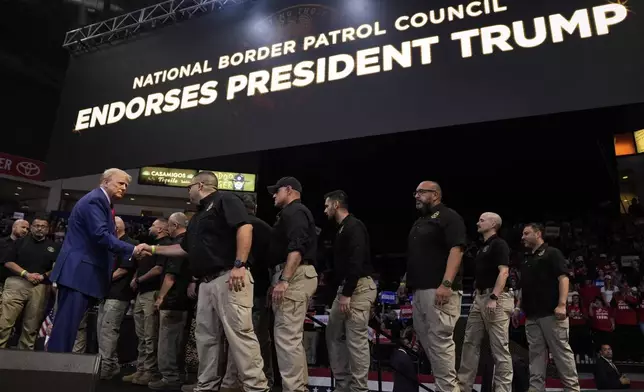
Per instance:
(320,381)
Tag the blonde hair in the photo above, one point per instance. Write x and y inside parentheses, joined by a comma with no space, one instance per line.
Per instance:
(107,174)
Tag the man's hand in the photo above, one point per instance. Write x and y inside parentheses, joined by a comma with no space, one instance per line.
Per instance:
(560,312)
(142,250)
(624,380)
(278,291)
(443,294)
(133,284)
(34,278)
(158,303)
(345,304)
(491,306)
(237,277)
(192,290)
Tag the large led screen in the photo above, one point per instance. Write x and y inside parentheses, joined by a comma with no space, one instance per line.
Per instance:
(272,74)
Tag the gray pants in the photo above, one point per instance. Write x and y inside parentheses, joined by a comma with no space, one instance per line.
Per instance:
(108,326)
(548,333)
(146,323)
(170,344)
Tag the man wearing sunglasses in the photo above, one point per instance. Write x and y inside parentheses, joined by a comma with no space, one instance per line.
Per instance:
(218,242)
(435,250)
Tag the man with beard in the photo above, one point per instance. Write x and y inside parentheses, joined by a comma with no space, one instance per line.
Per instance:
(147,281)
(30,261)
(112,311)
(434,254)
(491,310)
(19,229)
(293,249)
(218,242)
(544,294)
(347,332)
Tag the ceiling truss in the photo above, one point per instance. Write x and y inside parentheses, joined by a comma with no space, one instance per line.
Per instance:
(125,26)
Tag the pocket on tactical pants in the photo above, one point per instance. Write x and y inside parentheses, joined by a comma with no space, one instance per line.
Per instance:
(452,307)
(562,329)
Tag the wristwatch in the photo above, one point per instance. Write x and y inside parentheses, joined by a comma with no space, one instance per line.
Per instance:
(493,297)
(447,283)
(240,264)
(283,279)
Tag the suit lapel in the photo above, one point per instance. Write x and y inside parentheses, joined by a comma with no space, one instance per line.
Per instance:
(106,207)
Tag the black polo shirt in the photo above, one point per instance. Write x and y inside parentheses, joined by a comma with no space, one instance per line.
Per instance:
(5,246)
(540,274)
(177,297)
(149,262)
(259,255)
(294,231)
(211,240)
(120,289)
(351,254)
(494,253)
(37,257)
(430,241)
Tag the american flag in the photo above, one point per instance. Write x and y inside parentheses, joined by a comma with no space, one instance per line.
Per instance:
(45,328)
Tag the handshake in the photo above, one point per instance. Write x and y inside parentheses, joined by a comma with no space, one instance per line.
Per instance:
(143,250)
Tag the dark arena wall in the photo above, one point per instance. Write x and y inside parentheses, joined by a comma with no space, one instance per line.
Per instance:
(275,74)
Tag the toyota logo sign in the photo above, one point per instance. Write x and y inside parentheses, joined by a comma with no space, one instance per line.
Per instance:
(28,169)
(21,167)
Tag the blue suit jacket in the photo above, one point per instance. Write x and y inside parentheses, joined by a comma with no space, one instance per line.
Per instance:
(86,258)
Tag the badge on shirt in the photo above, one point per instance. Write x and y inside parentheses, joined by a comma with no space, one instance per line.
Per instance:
(341,228)
(209,206)
(541,252)
(486,248)
(435,215)
(50,249)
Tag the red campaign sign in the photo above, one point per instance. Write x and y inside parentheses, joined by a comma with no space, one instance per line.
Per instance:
(406,312)
(21,167)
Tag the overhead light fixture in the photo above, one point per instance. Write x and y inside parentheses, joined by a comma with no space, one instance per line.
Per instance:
(131,198)
(625,178)
(66,194)
(187,202)
(19,188)
(17,194)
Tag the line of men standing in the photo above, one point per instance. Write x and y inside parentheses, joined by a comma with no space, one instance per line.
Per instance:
(218,242)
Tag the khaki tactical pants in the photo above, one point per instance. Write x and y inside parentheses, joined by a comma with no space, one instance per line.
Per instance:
(221,311)
(146,324)
(347,339)
(289,328)
(20,295)
(434,326)
(548,333)
(261,325)
(497,324)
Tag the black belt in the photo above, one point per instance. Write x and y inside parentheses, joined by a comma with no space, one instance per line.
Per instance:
(211,277)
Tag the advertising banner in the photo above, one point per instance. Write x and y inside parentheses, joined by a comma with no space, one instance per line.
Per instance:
(280,73)
(165,176)
(21,167)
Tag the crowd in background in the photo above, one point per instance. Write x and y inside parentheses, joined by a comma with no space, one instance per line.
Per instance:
(606,301)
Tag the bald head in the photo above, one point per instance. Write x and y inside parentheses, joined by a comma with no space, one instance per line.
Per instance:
(428,194)
(120,226)
(489,223)
(19,229)
(177,224)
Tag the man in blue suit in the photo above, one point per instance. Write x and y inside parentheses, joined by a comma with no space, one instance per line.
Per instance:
(83,270)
